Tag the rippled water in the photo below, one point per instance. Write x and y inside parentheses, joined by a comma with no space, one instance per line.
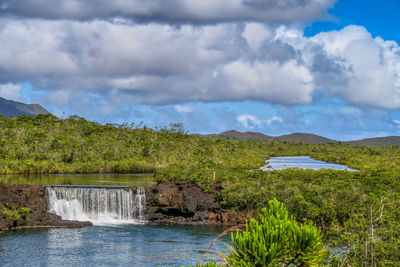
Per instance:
(302,162)
(125,245)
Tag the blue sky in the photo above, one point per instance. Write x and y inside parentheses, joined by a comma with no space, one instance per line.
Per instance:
(319,66)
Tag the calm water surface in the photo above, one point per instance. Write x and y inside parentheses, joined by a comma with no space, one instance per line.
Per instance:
(124,245)
(81,179)
(302,162)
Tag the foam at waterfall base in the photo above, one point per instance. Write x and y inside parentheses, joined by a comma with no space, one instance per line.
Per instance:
(101,206)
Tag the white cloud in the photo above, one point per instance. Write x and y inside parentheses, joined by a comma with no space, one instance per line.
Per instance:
(372,67)
(11,91)
(184,108)
(274,119)
(255,34)
(154,63)
(269,81)
(163,64)
(249,121)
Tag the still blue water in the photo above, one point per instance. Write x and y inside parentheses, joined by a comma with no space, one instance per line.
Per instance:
(124,245)
(302,162)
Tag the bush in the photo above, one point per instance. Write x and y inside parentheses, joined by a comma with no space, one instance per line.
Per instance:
(15,213)
(276,240)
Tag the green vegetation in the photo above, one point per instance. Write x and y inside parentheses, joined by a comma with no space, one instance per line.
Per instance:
(358,212)
(46,144)
(276,240)
(14,212)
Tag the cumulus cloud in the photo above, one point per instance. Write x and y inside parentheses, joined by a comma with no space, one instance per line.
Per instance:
(154,63)
(367,69)
(11,91)
(249,121)
(171,11)
(351,64)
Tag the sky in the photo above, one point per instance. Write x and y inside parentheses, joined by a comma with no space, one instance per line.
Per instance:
(326,67)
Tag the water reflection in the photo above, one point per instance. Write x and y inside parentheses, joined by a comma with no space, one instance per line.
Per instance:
(81,179)
(62,245)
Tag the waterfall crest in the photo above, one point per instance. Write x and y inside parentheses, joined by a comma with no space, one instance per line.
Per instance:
(98,205)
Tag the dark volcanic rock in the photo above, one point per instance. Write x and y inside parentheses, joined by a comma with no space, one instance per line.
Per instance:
(166,203)
(201,216)
(34,198)
(185,203)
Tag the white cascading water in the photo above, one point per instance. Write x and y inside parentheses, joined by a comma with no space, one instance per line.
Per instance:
(98,205)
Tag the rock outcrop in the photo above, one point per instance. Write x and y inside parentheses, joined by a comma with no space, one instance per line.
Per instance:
(186,203)
(166,203)
(34,198)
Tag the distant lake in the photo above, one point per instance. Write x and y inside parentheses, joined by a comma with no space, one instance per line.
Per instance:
(302,162)
(81,179)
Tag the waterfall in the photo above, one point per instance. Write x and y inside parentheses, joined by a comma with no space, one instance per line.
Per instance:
(99,205)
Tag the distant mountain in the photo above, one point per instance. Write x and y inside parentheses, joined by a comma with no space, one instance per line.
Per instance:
(388,140)
(246,135)
(295,137)
(304,138)
(14,108)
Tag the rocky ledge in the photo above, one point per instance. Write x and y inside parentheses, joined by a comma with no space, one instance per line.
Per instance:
(33,197)
(187,203)
(166,203)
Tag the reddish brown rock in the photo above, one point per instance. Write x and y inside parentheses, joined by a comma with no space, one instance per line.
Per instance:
(187,203)
(34,198)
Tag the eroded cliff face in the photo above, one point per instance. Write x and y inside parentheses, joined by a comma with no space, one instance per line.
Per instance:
(186,203)
(34,198)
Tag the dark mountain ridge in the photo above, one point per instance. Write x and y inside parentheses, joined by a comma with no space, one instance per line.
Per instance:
(305,138)
(246,135)
(387,140)
(14,108)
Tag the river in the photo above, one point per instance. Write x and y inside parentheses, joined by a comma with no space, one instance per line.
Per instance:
(113,245)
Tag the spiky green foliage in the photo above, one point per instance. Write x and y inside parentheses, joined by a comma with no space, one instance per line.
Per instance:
(276,239)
